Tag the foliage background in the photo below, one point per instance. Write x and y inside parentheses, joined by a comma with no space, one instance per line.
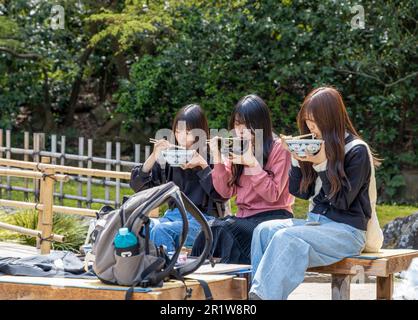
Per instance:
(123,68)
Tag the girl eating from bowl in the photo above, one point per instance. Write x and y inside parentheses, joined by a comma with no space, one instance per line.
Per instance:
(340,185)
(261,188)
(194,178)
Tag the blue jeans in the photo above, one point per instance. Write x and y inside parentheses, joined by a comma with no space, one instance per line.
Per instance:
(282,250)
(167,230)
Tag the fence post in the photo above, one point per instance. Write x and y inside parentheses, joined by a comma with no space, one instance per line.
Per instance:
(40,212)
(47,188)
(89,165)
(108,168)
(117,195)
(80,164)
(8,156)
(26,146)
(38,146)
(137,153)
(45,218)
(53,147)
(54,150)
(62,162)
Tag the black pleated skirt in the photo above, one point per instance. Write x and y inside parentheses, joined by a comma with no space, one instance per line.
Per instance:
(232,236)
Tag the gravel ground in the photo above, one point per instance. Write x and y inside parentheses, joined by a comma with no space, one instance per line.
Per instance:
(322,291)
(318,287)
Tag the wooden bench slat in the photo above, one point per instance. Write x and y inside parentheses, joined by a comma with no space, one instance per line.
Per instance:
(387,263)
(222,268)
(351,266)
(386,253)
(223,287)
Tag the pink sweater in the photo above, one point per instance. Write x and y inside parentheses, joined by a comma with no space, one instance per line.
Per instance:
(259,191)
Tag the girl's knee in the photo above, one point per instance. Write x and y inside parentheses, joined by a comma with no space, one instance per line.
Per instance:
(284,234)
(160,228)
(261,232)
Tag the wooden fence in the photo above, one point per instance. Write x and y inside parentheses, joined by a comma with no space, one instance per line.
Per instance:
(35,150)
(48,174)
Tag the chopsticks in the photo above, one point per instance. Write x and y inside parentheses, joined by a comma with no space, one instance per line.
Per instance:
(221,138)
(301,136)
(154,141)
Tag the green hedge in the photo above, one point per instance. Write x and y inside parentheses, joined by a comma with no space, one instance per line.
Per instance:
(281,50)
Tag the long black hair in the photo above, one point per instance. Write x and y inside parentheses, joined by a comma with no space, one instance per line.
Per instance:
(253,112)
(194,116)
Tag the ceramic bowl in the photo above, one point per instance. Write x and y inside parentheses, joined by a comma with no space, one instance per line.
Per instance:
(177,157)
(304,147)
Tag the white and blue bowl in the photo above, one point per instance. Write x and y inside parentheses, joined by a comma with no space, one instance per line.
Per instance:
(304,147)
(177,157)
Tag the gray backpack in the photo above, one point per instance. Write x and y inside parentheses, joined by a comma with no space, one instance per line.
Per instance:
(149,265)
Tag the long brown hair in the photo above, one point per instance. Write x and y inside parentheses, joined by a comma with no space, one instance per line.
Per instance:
(326,107)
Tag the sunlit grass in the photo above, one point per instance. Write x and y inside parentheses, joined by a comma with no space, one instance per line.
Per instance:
(385,212)
(73,228)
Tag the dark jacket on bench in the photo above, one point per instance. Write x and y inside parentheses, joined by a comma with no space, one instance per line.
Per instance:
(350,205)
(195,183)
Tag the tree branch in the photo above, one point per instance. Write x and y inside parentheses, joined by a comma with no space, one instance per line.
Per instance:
(401,79)
(361,74)
(386,85)
(11,38)
(27,56)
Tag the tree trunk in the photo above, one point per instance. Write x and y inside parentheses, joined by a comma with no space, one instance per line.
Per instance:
(76,87)
(110,125)
(49,124)
(120,60)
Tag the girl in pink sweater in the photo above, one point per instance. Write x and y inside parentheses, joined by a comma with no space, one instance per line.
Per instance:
(260,184)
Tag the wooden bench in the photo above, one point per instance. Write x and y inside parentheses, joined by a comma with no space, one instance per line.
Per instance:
(223,287)
(383,265)
(222,281)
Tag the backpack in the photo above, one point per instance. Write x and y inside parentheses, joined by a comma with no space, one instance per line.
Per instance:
(374,234)
(149,265)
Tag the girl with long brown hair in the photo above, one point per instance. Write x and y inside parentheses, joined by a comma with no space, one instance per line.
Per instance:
(340,185)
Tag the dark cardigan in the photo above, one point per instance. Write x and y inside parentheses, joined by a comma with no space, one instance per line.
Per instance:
(350,205)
